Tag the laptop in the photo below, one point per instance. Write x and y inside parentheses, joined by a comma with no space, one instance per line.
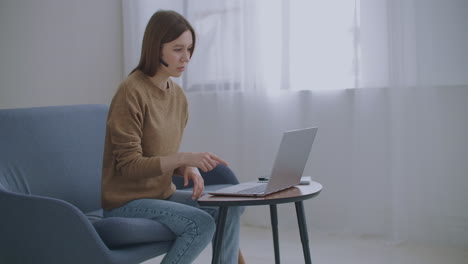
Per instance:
(287,170)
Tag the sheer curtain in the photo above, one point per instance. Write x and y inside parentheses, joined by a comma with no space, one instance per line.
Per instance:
(225,56)
(415,50)
(224,59)
(261,44)
(391,151)
(312,44)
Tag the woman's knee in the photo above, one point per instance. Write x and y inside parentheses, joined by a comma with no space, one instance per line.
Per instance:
(221,174)
(205,223)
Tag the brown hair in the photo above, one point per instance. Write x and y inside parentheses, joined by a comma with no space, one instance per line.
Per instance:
(163,27)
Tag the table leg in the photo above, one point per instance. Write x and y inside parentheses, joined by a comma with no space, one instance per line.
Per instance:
(218,241)
(303,231)
(274,227)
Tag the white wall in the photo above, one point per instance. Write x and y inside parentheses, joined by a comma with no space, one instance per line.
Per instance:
(57,52)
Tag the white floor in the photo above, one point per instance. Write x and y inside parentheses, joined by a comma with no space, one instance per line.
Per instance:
(257,247)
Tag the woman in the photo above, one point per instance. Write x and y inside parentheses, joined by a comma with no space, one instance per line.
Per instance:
(145,125)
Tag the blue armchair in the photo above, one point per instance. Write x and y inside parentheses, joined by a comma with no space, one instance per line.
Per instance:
(50,191)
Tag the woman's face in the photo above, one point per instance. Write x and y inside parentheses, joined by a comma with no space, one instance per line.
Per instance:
(177,54)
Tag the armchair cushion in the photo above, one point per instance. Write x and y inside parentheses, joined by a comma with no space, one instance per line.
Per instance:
(117,232)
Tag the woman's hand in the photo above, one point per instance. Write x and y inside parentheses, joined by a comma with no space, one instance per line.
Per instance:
(192,173)
(204,160)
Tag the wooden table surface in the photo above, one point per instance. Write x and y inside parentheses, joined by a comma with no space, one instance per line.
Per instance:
(293,194)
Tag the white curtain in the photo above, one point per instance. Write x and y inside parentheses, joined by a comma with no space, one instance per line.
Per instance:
(312,44)
(259,45)
(223,60)
(391,153)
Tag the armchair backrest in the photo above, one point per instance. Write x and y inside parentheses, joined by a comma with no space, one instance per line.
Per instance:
(54,151)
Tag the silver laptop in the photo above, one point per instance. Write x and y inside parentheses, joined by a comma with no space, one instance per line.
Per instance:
(287,170)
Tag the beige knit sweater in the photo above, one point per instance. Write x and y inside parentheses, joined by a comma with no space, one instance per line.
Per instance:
(144,123)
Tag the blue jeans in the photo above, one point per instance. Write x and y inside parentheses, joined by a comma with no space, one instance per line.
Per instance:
(193,227)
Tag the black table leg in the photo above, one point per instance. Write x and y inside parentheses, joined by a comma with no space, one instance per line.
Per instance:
(274,227)
(218,241)
(303,231)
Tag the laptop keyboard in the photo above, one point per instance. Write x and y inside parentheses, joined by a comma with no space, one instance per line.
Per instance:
(256,189)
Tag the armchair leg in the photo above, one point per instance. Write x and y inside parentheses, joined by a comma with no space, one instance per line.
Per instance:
(241,258)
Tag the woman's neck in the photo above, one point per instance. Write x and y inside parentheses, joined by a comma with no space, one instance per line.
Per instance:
(160,80)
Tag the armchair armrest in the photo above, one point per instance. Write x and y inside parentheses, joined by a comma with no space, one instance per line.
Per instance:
(36,228)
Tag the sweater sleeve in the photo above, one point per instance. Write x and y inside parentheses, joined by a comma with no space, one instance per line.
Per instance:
(125,124)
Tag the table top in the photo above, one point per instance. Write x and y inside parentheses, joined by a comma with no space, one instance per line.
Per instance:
(293,194)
